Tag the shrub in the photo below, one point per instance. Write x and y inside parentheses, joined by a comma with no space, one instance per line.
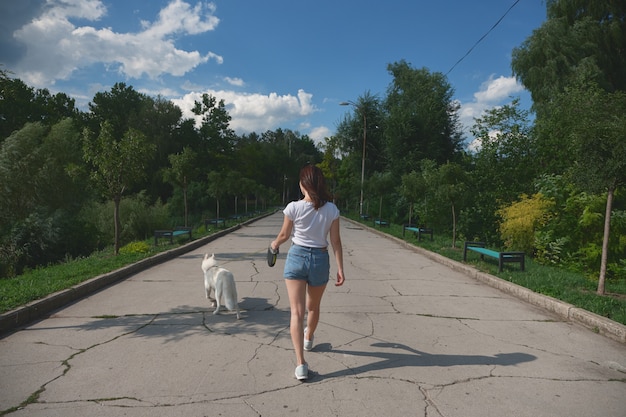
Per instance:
(135,247)
(521,219)
(138,217)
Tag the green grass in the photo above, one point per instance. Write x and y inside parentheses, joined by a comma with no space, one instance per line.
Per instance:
(35,284)
(571,287)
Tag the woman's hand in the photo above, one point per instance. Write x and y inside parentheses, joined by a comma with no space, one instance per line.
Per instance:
(340,279)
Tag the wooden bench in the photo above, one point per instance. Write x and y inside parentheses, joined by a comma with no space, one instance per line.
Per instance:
(417,231)
(502,257)
(381,223)
(171,233)
(215,222)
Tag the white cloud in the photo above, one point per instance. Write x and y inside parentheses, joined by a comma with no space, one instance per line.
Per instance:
(179,17)
(476,143)
(318,134)
(83,9)
(234,81)
(492,93)
(496,90)
(55,47)
(254,112)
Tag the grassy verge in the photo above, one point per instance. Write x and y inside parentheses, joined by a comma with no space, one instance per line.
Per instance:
(571,287)
(36,284)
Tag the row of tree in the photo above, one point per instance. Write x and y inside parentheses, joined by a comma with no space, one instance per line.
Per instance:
(65,173)
(552,187)
(76,181)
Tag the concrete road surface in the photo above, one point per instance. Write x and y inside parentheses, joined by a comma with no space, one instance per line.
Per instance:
(405,336)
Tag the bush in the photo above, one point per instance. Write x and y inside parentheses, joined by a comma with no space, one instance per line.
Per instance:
(521,219)
(138,217)
(135,247)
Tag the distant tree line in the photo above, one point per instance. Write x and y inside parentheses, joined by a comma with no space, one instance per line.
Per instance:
(548,181)
(74,181)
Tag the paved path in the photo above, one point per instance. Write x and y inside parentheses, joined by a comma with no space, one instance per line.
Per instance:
(405,336)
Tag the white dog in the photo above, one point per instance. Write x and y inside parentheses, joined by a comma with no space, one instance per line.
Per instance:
(222,282)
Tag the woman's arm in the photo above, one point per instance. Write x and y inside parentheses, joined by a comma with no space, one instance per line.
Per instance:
(284,234)
(335,241)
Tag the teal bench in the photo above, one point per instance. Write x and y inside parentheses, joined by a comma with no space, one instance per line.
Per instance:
(381,223)
(502,257)
(215,222)
(171,233)
(417,231)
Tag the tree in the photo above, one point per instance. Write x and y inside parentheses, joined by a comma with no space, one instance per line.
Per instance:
(20,104)
(413,188)
(578,38)
(380,184)
(246,187)
(450,186)
(160,121)
(504,164)
(577,35)
(217,188)
(233,187)
(330,163)
(40,199)
(367,119)
(119,108)
(21,160)
(217,138)
(422,119)
(594,123)
(118,163)
(181,170)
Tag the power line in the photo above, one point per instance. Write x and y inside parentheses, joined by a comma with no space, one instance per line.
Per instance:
(483,37)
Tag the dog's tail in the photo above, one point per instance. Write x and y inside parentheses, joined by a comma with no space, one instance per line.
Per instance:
(230,299)
(232,304)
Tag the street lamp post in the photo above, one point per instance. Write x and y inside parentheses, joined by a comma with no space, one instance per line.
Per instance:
(360,109)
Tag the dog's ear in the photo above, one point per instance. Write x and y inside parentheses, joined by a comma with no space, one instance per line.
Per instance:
(206,256)
(212,255)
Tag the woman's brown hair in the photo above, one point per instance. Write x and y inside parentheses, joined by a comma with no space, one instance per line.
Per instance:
(312,179)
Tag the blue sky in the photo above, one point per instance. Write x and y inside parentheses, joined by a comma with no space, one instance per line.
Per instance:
(276,63)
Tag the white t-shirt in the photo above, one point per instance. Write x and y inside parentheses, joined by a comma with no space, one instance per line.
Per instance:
(310,226)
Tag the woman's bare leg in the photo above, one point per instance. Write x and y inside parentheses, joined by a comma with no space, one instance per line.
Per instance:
(296,289)
(313,301)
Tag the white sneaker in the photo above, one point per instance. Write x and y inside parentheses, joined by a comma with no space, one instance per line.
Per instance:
(302,372)
(308,344)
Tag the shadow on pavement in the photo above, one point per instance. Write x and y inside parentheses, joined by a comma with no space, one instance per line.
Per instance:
(402,356)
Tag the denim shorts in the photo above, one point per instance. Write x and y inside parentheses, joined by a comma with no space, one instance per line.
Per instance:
(309,264)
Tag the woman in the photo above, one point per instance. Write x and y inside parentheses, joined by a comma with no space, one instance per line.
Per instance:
(307,267)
